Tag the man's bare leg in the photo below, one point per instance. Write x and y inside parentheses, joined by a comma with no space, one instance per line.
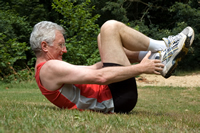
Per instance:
(114,37)
(120,44)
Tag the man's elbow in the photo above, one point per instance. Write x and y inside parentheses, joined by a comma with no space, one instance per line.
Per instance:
(101,80)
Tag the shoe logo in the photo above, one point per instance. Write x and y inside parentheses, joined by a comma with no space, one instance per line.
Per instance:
(169,52)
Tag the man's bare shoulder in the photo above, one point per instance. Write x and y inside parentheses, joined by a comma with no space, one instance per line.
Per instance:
(56,64)
(60,72)
(53,68)
(52,72)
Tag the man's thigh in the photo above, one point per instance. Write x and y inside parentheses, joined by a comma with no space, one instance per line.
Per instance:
(111,50)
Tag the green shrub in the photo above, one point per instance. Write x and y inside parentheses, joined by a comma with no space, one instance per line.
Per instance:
(81,31)
(10,52)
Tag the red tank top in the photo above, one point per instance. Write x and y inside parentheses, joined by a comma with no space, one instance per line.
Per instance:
(78,96)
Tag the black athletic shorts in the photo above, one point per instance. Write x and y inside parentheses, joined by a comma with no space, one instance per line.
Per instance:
(124,93)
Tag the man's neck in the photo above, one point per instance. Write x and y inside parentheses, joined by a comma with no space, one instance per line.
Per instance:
(43,57)
(40,60)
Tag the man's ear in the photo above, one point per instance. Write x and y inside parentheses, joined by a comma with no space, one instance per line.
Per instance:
(44,46)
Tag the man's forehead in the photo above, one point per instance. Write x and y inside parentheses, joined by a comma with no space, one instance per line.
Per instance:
(59,35)
(58,32)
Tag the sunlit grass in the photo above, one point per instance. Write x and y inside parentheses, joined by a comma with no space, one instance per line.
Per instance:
(160,109)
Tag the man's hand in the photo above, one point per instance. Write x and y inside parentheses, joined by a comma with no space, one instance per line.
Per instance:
(151,66)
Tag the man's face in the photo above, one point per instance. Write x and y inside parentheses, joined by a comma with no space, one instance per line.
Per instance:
(58,48)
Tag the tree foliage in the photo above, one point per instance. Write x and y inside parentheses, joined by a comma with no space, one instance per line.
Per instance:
(12,48)
(156,19)
(17,18)
(186,15)
(81,31)
(10,52)
(82,20)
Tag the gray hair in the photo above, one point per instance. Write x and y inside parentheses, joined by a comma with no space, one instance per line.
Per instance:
(44,31)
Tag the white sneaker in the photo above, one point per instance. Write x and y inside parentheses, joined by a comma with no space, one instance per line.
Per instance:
(178,48)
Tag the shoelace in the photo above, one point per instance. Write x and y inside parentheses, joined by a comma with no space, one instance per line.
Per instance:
(173,39)
(168,53)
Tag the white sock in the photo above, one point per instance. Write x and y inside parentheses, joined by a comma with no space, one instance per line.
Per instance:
(156,45)
(142,54)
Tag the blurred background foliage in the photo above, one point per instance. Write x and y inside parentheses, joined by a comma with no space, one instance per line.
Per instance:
(82,20)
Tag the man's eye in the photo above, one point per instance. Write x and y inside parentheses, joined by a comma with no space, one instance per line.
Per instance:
(62,45)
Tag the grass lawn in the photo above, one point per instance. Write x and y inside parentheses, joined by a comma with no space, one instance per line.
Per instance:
(160,109)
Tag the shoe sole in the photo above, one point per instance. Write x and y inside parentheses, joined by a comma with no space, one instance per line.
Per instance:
(179,56)
(190,38)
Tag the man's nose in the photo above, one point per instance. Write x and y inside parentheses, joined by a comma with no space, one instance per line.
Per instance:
(64,50)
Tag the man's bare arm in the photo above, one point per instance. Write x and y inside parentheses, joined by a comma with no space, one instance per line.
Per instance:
(55,73)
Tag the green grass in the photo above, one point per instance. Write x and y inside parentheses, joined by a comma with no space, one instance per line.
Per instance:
(186,72)
(160,109)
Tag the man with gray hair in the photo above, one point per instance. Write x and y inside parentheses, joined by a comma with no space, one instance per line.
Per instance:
(108,86)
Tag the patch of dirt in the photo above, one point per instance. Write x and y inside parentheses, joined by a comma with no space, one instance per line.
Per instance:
(192,80)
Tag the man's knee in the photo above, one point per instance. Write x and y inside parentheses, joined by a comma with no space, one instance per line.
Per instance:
(99,41)
(99,37)
(110,26)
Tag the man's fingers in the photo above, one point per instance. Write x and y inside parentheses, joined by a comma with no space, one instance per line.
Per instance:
(153,66)
(158,70)
(157,61)
(148,55)
(160,65)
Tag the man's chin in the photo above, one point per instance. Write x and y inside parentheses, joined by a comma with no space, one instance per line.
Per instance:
(60,58)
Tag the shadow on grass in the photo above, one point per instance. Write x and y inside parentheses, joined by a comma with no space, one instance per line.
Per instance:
(141,113)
